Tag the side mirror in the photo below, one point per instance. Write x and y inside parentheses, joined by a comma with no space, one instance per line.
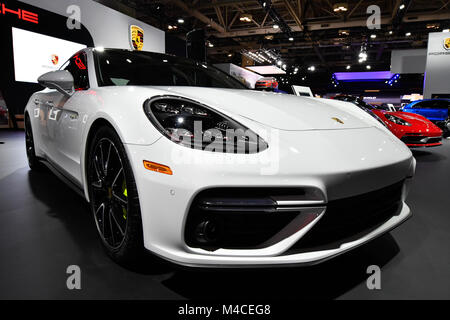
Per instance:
(61,80)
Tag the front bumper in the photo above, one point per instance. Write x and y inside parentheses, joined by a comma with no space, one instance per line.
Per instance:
(339,163)
(209,260)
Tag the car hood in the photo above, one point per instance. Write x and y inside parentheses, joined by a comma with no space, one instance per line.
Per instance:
(281,111)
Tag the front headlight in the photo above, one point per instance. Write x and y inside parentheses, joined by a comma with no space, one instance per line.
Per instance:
(397,120)
(197,126)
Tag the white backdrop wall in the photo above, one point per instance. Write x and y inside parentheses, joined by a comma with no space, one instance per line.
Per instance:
(438,65)
(109,28)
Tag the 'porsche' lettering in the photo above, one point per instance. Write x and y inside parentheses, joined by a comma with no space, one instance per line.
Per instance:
(20,13)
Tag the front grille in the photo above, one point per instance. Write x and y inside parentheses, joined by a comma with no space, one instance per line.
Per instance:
(239,218)
(420,139)
(351,218)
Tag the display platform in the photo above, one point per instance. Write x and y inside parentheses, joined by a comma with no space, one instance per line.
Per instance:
(46,227)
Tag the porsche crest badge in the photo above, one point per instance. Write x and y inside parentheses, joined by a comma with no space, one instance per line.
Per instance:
(137,37)
(447,43)
(338,120)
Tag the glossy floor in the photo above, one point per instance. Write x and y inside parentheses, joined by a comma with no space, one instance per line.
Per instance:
(45,227)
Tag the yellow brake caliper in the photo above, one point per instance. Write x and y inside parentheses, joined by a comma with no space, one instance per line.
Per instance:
(125,193)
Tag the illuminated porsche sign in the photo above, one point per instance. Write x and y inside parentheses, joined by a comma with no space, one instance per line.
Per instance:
(447,43)
(20,13)
(137,37)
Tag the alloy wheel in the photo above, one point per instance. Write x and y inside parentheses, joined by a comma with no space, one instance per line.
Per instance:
(109,193)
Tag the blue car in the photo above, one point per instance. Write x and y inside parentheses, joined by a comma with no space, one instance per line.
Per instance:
(436,110)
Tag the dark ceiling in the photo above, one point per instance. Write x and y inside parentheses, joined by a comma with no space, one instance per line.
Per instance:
(315,27)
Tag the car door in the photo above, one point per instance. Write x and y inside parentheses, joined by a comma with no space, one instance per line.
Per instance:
(423,108)
(65,121)
(441,107)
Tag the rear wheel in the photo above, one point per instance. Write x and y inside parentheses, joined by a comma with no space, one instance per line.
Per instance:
(33,161)
(114,198)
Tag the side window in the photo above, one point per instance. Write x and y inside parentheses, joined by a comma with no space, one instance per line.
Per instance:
(417,105)
(77,66)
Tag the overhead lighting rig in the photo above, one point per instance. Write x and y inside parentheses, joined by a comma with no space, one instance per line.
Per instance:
(262,56)
(278,21)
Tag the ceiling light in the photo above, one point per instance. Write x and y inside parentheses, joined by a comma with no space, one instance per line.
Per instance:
(348,67)
(210,44)
(344,32)
(268,37)
(368,67)
(373,36)
(275,26)
(340,7)
(391,32)
(246,17)
(181,20)
(291,39)
(402,6)
(408,34)
(279,62)
(169,27)
(432,26)
(312,68)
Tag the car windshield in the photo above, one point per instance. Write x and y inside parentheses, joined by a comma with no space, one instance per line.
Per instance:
(360,103)
(134,68)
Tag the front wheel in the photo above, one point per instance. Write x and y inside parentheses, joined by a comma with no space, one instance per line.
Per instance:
(114,198)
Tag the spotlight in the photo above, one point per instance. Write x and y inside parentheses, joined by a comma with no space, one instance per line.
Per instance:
(245,17)
(408,34)
(181,21)
(275,26)
(402,6)
(368,67)
(279,62)
(291,39)
(373,36)
(340,7)
(348,67)
(391,32)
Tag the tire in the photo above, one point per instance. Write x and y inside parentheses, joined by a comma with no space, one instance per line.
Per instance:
(33,161)
(114,199)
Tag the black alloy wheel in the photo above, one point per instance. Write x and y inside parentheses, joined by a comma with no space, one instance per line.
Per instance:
(114,198)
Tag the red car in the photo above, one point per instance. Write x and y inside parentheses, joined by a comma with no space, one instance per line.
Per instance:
(413,129)
(269,83)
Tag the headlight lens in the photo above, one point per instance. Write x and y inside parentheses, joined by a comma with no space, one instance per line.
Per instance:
(197,126)
(397,120)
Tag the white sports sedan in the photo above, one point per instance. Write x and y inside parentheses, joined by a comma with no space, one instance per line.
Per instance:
(179,159)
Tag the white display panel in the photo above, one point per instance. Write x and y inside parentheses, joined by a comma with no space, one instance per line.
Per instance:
(36,54)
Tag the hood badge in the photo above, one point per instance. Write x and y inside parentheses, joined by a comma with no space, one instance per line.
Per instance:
(338,120)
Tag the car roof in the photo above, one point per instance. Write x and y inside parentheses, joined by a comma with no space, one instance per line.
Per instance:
(437,99)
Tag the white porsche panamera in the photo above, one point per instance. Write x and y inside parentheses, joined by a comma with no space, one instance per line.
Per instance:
(177,158)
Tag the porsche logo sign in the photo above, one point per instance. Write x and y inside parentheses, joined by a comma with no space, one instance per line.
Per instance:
(447,44)
(137,37)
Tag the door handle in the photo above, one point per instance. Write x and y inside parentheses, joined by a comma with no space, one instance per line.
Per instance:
(50,104)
